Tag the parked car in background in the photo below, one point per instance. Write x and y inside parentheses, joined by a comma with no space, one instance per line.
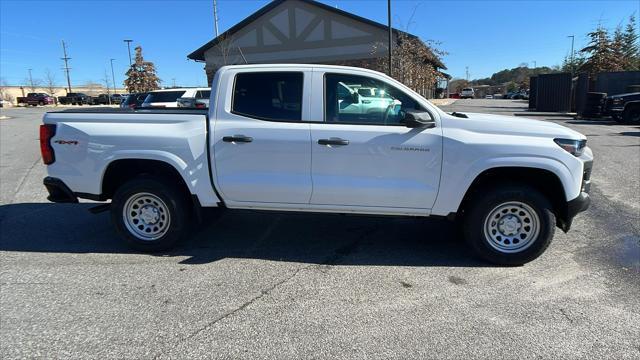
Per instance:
(489,96)
(169,97)
(200,100)
(116,99)
(75,99)
(624,108)
(35,99)
(101,99)
(467,93)
(133,101)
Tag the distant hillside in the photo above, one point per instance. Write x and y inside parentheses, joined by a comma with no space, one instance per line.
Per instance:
(519,75)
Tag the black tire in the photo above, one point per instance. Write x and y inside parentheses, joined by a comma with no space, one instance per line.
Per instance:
(41,103)
(631,114)
(482,205)
(174,201)
(617,118)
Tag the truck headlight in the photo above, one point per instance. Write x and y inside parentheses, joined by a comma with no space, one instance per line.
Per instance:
(574,147)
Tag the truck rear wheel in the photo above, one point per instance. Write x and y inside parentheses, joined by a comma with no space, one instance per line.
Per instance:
(150,214)
(509,225)
(631,114)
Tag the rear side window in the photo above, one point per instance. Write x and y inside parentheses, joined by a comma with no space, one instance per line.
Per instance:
(275,96)
(203,94)
(164,96)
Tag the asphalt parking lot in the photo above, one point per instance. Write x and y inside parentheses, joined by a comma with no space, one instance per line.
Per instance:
(261,285)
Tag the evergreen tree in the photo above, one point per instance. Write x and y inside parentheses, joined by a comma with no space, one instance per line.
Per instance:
(141,77)
(630,46)
(598,52)
(619,60)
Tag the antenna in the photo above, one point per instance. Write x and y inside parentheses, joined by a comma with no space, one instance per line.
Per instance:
(66,65)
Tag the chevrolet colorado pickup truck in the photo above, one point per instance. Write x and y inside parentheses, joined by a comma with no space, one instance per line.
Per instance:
(276,138)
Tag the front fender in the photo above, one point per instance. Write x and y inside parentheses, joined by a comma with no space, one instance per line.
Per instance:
(455,184)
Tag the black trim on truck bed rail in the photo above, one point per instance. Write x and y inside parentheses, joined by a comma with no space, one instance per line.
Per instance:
(186,111)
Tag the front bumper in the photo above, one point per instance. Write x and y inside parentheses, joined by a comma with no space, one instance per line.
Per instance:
(581,202)
(58,191)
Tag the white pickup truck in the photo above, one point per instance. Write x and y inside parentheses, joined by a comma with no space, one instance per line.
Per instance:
(276,138)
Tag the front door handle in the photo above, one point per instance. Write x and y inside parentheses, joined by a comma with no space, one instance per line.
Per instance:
(237,139)
(333,141)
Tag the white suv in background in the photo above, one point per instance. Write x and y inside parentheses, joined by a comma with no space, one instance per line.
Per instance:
(169,97)
(467,93)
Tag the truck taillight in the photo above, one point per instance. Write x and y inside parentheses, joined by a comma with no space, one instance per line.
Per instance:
(47,131)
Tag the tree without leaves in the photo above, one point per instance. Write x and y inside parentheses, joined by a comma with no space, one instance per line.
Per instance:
(141,76)
(4,94)
(413,62)
(32,84)
(50,82)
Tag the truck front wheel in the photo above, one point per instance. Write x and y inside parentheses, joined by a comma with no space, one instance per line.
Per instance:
(150,214)
(509,225)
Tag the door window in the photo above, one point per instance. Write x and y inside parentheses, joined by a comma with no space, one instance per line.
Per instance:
(274,96)
(353,99)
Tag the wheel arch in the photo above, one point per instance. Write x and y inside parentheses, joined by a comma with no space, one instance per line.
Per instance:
(545,181)
(122,170)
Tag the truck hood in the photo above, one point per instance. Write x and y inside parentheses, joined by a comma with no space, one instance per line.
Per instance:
(514,125)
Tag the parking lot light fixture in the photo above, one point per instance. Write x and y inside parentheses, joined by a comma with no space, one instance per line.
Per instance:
(128,41)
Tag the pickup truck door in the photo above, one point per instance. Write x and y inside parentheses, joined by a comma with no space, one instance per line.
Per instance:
(371,159)
(261,146)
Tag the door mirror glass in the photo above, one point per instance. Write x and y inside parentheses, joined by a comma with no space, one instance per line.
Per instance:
(417,119)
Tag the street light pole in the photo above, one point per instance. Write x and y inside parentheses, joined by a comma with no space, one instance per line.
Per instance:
(390,34)
(113,78)
(215,16)
(573,37)
(129,48)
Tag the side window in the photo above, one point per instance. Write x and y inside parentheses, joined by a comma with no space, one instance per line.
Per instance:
(275,96)
(203,94)
(355,99)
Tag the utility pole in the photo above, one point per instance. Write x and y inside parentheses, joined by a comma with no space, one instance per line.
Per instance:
(173,80)
(129,49)
(534,64)
(573,37)
(466,70)
(390,34)
(215,16)
(66,65)
(113,78)
(31,80)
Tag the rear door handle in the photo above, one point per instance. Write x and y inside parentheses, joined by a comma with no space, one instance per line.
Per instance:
(333,141)
(238,139)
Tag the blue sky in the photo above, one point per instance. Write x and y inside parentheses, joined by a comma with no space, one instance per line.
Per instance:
(487,36)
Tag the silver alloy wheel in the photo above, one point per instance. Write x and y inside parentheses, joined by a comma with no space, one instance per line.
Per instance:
(146,216)
(511,227)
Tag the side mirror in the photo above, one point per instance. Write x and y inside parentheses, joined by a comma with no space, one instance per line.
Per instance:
(418,119)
